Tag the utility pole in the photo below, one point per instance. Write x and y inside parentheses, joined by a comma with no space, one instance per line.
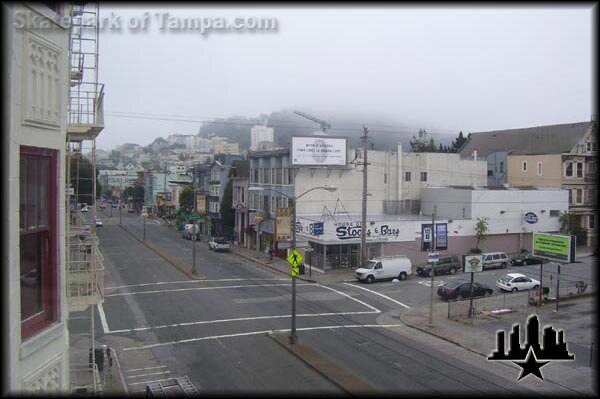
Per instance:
(363,235)
(432,264)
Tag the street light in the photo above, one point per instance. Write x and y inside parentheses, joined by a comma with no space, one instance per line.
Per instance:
(293,337)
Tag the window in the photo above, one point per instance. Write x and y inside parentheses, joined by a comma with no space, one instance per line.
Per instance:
(38,239)
(590,146)
(570,197)
(423,176)
(579,169)
(539,168)
(555,212)
(496,256)
(406,176)
(501,166)
(569,169)
(385,178)
(578,195)
(490,173)
(591,221)
(524,166)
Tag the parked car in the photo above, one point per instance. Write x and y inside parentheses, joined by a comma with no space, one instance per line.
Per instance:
(84,209)
(102,206)
(447,264)
(517,282)
(385,268)
(462,288)
(98,222)
(219,244)
(495,259)
(526,258)
(131,210)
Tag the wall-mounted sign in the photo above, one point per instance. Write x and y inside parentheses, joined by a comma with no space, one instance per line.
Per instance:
(530,217)
(472,263)
(441,236)
(321,151)
(283,225)
(433,257)
(318,229)
(554,247)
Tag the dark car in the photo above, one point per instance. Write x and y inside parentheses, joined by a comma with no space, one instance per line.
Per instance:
(462,289)
(526,258)
(131,210)
(448,264)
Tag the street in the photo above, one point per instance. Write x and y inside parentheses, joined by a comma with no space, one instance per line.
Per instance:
(163,324)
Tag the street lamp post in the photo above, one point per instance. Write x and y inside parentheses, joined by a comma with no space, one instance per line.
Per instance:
(144,217)
(194,237)
(293,338)
(120,206)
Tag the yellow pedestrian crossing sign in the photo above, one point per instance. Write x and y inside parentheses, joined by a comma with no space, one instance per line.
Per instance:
(295,258)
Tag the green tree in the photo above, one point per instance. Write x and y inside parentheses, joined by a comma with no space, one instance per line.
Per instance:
(481,229)
(137,195)
(458,142)
(565,222)
(226,210)
(186,199)
(421,144)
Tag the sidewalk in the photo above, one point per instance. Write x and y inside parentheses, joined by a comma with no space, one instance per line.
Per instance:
(575,316)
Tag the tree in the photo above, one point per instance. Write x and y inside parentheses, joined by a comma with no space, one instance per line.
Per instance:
(186,199)
(458,143)
(481,229)
(421,144)
(565,222)
(226,210)
(137,195)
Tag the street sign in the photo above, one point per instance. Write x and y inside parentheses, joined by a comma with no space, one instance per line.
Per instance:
(473,263)
(318,229)
(295,258)
(433,257)
(294,271)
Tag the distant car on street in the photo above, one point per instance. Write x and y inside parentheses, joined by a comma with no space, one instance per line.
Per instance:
(188,232)
(517,282)
(103,206)
(84,209)
(219,244)
(526,258)
(98,222)
(131,210)
(462,289)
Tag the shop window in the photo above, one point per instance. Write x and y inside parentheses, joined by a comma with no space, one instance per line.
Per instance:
(38,239)
(555,212)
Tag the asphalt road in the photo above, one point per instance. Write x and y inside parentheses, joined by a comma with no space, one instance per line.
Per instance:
(163,324)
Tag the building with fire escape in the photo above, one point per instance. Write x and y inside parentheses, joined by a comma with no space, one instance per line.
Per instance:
(53,103)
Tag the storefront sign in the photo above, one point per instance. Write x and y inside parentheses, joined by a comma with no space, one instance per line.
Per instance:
(283,226)
(318,229)
(530,217)
(472,263)
(393,231)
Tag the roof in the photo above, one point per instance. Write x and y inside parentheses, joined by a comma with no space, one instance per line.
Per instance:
(551,139)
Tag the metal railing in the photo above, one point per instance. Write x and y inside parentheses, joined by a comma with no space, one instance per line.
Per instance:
(85,270)
(86,106)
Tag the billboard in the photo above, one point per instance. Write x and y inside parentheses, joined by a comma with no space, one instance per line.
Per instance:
(201,203)
(441,237)
(555,247)
(318,151)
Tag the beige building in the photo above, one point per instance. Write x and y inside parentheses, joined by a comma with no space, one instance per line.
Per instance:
(556,156)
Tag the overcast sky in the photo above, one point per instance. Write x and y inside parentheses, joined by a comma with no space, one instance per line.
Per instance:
(444,69)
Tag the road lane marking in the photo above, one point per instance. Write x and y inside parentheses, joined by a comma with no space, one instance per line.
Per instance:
(103,318)
(333,327)
(145,368)
(127,330)
(195,281)
(144,375)
(148,382)
(354,299)
(381,295)
(201,288)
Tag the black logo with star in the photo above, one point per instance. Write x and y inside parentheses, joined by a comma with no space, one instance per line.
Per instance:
(532,356)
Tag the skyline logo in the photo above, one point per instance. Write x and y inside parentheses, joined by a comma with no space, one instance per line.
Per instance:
(532,356)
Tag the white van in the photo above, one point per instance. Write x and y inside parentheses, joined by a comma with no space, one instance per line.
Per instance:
(495,259)
(387,267)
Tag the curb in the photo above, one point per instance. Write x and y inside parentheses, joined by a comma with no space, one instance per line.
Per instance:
(167,258)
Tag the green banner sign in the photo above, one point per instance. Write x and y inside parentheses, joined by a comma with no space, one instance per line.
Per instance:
(553,246)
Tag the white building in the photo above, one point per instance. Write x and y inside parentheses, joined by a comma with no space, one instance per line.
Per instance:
(260,134)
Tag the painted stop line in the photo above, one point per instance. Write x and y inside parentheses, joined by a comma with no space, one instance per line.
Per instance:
(436,283)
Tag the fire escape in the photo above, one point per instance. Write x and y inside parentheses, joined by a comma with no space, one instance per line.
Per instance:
(85,269)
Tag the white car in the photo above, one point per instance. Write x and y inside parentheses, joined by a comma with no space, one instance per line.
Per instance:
(98,222)
(219,244)
(517,282)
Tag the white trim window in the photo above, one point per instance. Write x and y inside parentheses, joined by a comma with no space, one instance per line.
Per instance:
(524,166)
(539,168)
(591,221)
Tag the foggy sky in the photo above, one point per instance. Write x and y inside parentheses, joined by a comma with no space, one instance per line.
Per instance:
(444,69)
